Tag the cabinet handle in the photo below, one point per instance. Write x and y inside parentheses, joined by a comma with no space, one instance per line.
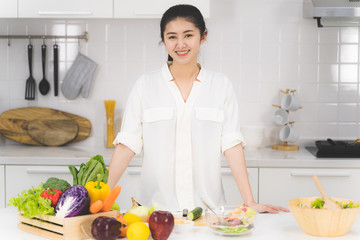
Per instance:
(134,172)
(321,174)
(64,13)
(46,171)
(148,13)
(228,172)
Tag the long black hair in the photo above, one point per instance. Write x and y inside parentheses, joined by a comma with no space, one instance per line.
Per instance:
(189,12)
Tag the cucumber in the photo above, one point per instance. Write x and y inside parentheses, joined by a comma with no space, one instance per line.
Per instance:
(194,214)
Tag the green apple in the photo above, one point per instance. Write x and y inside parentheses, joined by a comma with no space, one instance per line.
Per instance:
(115,206)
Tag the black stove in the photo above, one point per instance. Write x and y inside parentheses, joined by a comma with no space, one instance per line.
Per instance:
(335,149)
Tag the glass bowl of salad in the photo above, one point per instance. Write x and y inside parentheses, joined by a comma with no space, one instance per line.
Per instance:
(235,220)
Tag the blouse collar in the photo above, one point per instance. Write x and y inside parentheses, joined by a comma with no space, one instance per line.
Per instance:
(168,77)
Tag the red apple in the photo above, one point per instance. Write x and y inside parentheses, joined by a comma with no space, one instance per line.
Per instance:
(161,224)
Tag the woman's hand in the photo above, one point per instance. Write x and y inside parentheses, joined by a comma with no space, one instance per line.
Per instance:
(265,208)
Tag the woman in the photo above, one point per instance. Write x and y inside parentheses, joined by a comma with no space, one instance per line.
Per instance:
(184,117)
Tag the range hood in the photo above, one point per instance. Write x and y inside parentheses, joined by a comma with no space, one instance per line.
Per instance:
(333,13)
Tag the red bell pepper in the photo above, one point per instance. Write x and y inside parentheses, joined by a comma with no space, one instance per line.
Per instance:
(53,195)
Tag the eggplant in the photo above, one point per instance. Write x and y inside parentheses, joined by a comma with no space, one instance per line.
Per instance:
(105,228)
(75,201)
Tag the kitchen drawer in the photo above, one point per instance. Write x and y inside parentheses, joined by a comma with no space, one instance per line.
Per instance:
(8,9)
(19,178)
(65,9)
(232,194)
(130,185)
(154,8)
(279,185)
(2,186)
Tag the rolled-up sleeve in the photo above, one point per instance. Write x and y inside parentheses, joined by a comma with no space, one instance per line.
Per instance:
(231,135)
(131,128)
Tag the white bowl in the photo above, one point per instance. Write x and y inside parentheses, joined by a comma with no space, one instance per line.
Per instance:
(183,226)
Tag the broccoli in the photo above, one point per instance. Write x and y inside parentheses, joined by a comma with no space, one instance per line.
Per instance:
(56,183)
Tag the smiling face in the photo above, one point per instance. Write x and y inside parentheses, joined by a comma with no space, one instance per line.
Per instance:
(182,40)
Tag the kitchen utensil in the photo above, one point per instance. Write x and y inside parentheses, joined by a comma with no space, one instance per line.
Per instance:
(56,69)
(324,222)
(30,82)
(110,107)
(220,220)
(14,122)
(78,77)
(329,204)
(44,85)
(53,132)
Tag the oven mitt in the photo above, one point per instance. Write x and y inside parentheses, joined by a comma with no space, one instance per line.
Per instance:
(78,77)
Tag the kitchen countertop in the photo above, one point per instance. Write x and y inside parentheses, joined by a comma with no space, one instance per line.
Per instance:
(75,155)
(268,227)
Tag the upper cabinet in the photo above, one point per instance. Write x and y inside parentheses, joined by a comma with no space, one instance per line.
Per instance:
(154,8)
(65,8)
(8,9)
(93,8)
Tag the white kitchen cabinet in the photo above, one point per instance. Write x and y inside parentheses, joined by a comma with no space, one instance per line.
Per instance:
(130,185)
(154,8)
(279,185)
(2,186)
(19,178)
(65,9)
(8,9)
(232,194)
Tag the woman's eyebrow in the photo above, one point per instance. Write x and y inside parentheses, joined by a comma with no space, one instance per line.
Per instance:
(183,32)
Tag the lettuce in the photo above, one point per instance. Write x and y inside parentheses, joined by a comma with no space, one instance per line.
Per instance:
(30,202)
(318,203)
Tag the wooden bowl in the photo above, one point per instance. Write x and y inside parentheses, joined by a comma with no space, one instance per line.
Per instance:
(324,222)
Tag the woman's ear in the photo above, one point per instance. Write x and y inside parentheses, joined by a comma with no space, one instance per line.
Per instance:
(203,37)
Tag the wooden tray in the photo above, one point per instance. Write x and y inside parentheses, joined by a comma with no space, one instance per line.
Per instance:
(61,228)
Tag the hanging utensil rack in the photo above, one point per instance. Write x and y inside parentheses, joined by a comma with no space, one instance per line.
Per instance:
(83,36)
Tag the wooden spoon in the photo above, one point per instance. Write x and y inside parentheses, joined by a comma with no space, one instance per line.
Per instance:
(329,204)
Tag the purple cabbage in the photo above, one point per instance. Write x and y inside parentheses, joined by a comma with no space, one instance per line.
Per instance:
(75,201)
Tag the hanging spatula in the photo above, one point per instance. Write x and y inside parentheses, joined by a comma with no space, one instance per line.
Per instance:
(329,204)
(30,82)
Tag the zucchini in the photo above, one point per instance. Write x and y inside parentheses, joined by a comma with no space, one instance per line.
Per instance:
(194,214)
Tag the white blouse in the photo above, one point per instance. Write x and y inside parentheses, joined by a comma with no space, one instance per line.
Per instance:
(182,141)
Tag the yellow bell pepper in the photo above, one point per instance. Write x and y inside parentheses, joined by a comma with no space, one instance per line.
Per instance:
(97,190)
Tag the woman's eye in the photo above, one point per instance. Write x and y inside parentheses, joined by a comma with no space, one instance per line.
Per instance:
(172,37)
(188,35)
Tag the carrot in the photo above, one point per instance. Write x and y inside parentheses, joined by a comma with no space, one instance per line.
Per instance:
(110,199)
(96,206)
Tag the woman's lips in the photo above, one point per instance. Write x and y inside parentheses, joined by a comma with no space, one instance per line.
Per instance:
(182,53)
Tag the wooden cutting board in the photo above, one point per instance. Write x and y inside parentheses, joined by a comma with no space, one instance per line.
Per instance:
(53,132)
(14,124)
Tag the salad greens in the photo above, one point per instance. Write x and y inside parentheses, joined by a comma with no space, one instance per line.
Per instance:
(349,205)
(30,202)
(319,204)
(233,230)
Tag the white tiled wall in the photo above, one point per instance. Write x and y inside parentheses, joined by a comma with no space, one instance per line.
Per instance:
(263,46)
